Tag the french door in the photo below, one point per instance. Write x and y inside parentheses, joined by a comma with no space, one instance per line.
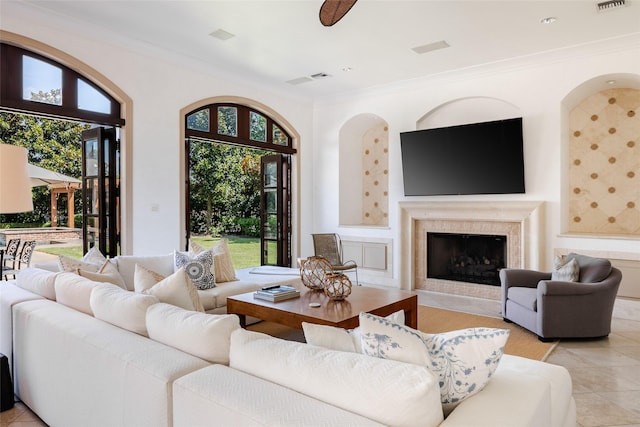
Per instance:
(100,190)
(275,210)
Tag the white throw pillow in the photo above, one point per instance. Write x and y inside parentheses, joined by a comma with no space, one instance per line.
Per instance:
(175,289)
(75,291)
(94,256)
(71,265)
(199,268)
(108,273)
(121,308)
(206,336)
(340,339)
(463,360)
(38,281)
(224,271)
(569,272)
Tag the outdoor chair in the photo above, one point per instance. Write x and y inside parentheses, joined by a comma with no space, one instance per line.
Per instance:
(22,260)
(554,309)
(329,246)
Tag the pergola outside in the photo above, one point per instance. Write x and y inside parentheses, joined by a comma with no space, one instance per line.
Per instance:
(59,184)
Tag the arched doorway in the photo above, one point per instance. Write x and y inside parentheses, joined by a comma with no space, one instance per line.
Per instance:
(245,123)
(79,84)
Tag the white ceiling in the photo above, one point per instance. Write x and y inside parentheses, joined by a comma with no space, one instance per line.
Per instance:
(278,41)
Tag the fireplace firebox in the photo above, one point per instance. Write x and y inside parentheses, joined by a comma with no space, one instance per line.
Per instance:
(472,258)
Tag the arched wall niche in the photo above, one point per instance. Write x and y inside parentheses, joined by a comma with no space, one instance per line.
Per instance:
(468,110)
(295,143)
(364,171)
(600,157)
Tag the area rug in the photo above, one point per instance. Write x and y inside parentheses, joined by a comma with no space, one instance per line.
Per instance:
(434,320)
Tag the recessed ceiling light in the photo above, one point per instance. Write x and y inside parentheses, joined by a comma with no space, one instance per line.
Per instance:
(548,20)
(347,69)
(611,82)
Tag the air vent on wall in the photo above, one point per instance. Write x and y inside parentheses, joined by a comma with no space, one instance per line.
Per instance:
(430,47)
(320,75)
(610,5)
(299,81)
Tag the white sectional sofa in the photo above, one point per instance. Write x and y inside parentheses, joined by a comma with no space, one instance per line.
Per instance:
(194,369)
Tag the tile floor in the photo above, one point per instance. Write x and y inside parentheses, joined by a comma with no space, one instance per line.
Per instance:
(605,372)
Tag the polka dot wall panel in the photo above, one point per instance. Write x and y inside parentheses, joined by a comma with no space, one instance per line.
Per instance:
(604,169)
(375,176)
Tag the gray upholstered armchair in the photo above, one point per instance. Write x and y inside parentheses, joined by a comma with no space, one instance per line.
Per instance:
(556,309)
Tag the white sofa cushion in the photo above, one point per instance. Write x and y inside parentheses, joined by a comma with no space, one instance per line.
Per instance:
(206,336)
(463,360)
(386,391)
(176,289)
(161,264)
(75,291)
(38,281)
(121,308)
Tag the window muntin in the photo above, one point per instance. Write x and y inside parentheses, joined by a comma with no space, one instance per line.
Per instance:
(41,81)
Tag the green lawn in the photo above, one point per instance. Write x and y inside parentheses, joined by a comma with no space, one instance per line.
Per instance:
(245,251)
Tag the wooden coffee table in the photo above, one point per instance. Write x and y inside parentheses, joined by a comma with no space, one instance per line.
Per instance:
(344,314)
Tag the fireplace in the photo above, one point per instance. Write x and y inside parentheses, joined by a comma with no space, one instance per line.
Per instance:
(461,257)
(520,222)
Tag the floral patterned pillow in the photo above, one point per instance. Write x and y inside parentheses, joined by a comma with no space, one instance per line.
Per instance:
(463,360)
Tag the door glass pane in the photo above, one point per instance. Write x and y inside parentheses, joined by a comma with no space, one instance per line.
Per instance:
(92,201)
(228,121)
(90,99)
(270,174)
(271,227)
(199,120)
(279,137)
(41,82)
(257,127)
(91,157)
(93,230)
(271,201)
(270,249)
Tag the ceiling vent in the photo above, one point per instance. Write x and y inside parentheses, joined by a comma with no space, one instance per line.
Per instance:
(430,47)
(221,34)
(320,75)
(299,81)
(611,5)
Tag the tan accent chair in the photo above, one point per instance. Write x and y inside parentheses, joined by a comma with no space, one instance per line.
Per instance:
(329,246)
(555,309)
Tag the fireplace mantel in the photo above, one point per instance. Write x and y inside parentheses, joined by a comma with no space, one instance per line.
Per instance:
(521,222)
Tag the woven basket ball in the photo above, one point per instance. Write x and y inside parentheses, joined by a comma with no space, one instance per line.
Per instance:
(313,271)
(337,286)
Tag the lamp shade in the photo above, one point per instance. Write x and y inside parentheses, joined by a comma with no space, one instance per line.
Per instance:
(15,188)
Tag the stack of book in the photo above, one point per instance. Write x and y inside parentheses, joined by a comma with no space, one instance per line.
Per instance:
(276,293)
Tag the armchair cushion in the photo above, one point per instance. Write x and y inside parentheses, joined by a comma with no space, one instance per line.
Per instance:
(592,270)
(526,297)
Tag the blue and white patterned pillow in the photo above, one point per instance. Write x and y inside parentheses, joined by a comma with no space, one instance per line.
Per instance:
(197,267)
(463,360)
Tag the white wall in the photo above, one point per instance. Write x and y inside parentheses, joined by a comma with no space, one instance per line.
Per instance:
(159,88)
(535,85)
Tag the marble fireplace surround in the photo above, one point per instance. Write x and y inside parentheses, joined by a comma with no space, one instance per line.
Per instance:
(521,222)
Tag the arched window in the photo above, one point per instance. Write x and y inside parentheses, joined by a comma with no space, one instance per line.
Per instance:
(38,85)
(238,124)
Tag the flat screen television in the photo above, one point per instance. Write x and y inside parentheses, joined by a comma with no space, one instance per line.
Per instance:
(478,158)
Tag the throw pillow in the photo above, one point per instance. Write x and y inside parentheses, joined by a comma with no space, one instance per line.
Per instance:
(198,268)
(121,308)
(175,289)
(463,360)
(71,265)
(224,271)
(568,272)
(94,256)
(206,336)
(340,339)
(145,279)
(108,273)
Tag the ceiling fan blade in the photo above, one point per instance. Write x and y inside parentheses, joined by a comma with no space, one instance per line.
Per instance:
(332,11)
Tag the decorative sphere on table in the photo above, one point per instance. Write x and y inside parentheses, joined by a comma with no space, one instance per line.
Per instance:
(337,286)
(313,272)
